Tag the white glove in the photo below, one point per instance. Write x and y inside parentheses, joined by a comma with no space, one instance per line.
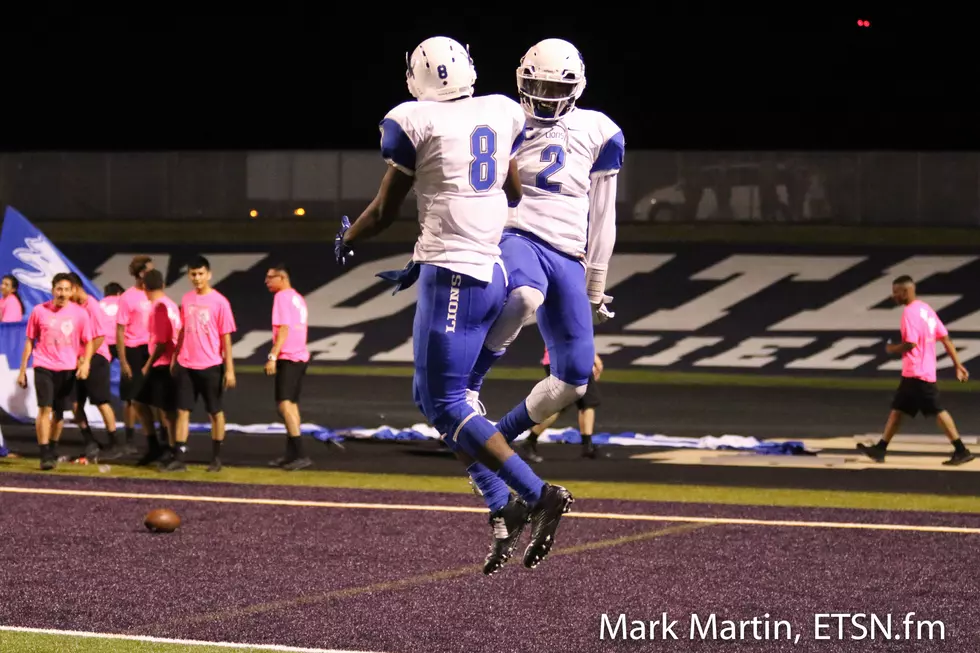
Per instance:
(599,311)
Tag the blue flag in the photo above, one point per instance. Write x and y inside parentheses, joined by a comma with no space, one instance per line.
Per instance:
(33,260)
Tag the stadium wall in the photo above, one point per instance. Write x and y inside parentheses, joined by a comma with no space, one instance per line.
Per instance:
(818,309)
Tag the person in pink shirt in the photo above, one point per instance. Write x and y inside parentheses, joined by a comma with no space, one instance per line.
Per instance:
(11,308)
(917,392)
(59,335)
(287,361)
(203,366)
(159,388)
(110,304)
(132,336)
(97,387)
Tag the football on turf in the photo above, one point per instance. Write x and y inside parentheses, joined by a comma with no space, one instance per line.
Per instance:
(162,520)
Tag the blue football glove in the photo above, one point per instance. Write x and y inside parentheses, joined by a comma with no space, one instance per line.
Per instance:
(341,250)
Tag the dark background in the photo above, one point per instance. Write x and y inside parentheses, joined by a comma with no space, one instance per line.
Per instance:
(793,75)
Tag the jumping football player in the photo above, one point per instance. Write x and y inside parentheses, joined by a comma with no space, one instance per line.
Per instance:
(558,242)
(458,151)
(918,392)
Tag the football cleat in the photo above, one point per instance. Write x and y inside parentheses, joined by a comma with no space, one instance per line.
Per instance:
(507,524)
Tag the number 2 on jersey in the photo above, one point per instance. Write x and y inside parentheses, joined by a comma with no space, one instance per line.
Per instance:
(555,155)
(483,167)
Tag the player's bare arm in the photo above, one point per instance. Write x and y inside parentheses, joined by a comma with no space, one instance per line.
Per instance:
(124,367)
(229,361)
(899,347)
(28,350)
(85,360)
(512,185)
(180,341)
(961,374)
(383,209)
(281,335)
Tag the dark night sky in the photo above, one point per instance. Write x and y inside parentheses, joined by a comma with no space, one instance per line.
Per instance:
(810,79)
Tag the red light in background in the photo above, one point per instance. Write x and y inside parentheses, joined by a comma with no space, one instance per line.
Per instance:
(864,23)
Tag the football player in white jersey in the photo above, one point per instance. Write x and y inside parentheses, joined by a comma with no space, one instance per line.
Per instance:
(458,151)
(559,240)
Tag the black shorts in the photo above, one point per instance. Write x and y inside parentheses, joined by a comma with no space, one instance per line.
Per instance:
(208,384)
(159,389)
(917,396)
(289,380)
(136,357)
(591,398)
(53,389)
(97,388)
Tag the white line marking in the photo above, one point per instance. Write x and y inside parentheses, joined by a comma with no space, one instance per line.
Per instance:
(429,508)
(182,642)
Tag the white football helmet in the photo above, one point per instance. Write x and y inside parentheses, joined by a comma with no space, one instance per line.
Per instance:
(550,78)
(440,69)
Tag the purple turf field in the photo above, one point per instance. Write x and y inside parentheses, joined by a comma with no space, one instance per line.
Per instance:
(408,581)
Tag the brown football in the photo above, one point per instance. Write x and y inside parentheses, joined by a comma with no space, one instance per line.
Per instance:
(162,520)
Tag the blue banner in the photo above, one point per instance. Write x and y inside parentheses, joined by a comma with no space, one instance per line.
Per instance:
(33,260)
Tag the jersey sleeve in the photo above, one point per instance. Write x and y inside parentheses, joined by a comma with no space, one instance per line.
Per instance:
(941,330)
(611,150)
(33,322)
(908,328)
(227,319)
(87,328)
(401,135)
(122,315)
(280,311)
(602,234)
(162,328)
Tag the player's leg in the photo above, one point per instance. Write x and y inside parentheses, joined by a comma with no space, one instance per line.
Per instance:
(289,385)
(529,449)
(97,389)
(64,385)
(565,322)
(453,315)
(905,402)
(44,391)
(142,411)
(527,285)
(587,405)
(128,389)
(185,398)
(932,407)
(213,379)
(78,402)
(153,395)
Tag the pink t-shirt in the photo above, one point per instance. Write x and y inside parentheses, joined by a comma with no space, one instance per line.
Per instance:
(921,326)
(546,360)
(58,335)
(10,309)
(206,318)
(110,305)
(101,325)
(164,327)
(134,314)
(289,309)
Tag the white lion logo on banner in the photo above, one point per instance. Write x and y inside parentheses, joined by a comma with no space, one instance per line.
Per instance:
(39,254)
